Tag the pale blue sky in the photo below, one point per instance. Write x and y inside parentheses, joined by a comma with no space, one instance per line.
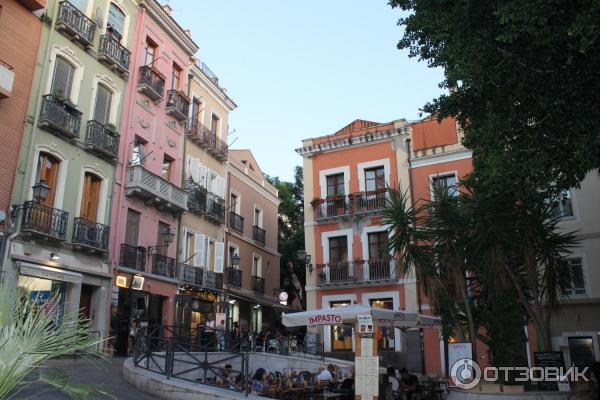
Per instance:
(304,68)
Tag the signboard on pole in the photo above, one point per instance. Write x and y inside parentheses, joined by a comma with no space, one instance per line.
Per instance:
(458,351)
(365,325)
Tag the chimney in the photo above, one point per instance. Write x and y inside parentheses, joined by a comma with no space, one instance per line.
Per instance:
(167,8)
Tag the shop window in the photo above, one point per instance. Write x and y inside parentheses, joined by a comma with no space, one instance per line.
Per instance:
(90,198)
(385,335)
(341,335)
(47,171)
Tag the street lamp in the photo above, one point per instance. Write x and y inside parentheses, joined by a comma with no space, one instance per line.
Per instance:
(168,235)
(40,190)
(305,259)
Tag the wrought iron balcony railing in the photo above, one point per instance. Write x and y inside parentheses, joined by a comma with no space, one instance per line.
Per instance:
(42,220)
(236,222)
(133,257)
(234,277)
(151,83)
(177,105)
(367,202)
(163,265)
(197,197)
(215,208)
(357,272)
(353,205)
(202,135)
(258,284)
(259,234)
(90,234)
(59,117)
(200,277)
(73,23)
(114,54)
(154,189)
(101,140)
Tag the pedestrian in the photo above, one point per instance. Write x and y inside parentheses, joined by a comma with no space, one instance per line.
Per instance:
(409,383)
(221,335)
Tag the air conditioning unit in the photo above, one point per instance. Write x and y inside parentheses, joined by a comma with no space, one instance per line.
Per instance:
(7,77)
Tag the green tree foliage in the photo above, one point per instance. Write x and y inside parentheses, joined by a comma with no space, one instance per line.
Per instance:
(526,76)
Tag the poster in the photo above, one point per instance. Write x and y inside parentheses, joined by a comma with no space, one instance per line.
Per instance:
(550,359)
(458,351)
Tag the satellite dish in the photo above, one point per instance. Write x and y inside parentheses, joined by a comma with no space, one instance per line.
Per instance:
(98,16)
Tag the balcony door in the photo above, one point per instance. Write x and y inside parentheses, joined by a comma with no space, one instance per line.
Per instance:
(47,171)
(132,228)
(338,259)
(116,21)
(195,119)
(214,125)
(379,264)
(103,104)
(90,198)
(160,241)
(62,81)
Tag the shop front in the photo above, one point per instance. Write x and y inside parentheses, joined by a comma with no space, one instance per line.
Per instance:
(193,309)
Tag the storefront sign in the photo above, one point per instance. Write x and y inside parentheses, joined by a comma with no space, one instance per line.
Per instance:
(206,296)
(320,319)
(550,359)
(122,281)
(137,283)
(53,274)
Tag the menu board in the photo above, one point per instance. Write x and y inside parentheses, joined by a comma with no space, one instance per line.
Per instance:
(549,359)
(458,351)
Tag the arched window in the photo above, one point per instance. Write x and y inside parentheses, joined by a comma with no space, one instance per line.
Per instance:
(62,81)
(47,171)
(116,21)
(90,198)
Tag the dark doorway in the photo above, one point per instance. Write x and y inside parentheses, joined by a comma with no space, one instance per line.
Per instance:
(85,301)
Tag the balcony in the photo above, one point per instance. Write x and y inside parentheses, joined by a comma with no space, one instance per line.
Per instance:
(101,140)
(151,83)
(200,278)
(357,272)
(236,222)
(153,189)
(178,105)
(7,78)
(90,235)
(75,25)
(354,205)
(258,284)
(215,208)
(114,54)
(234,277)
(202,136)
(197,197)
(59,117)
(44,221)
(163,265)
(133,257)
(259,234)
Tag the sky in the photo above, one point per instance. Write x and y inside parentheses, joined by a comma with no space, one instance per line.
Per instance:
(305,68)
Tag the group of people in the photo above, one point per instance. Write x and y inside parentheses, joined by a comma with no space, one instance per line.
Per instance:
(402,382)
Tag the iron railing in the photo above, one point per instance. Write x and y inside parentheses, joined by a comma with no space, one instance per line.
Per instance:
(163,265)
(259,234)
(151,83)
(133,257)
(60,117)
(258,284)
(113,52)
(178,104)
(44,220)
(234,277)
(364,202)
(90,234)
(355,204)
(215,208)
(361,271)
(208,140)
(75,23)
(197,197)
(101,139)
(236,222)
(191,275)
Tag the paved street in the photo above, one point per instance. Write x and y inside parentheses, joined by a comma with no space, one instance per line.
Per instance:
(106,375)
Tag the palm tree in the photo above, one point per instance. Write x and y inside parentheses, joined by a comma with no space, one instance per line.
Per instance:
(30,335)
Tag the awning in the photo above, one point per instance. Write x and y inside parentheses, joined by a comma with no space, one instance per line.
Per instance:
(44,272)
(339,315)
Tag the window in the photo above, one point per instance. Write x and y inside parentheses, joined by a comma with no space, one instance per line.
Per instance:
(116,21)
(149,52)
(377,246)
(214,125)
(189,247)
(257,217)
(102,107)
(234,203)
(338,249)
(194,123)
(374,179)
(175,77)
(80,4)
(161,245)
(562,206)
(132,227)
(446,182)
(166,167)
(385,335)
(62,81)
(90,198)
(47,171)
(335,185)
(257,266)
(341,335)
(137,153)
(232,253)
(212,182)
(576,279)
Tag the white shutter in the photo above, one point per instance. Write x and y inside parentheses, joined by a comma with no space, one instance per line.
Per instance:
(222,187)
(202,175)
(200,250)
(219,255)
(193,169)
(184,244)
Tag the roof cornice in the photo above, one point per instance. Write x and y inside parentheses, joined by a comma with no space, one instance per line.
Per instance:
(170,26)
(215,90)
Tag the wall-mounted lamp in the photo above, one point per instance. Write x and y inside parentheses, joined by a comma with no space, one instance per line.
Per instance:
(55,257)
(40,190)
(306,259)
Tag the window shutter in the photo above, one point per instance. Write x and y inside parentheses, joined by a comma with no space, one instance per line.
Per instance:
(193,169)
(219,255)
(200,250)
(80,4)
(116,19)
(202,175)
(63,77)
(102,108)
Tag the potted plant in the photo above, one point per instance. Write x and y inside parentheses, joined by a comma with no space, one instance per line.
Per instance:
(111,127)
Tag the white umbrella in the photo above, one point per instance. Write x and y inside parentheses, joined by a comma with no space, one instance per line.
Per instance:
(338,315)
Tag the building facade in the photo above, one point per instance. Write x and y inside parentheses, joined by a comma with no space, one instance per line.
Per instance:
(63,184)
(202,229)
(148,194)
(252,269)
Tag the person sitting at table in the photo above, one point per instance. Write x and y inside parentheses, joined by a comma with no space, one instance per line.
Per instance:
(259,381)
(326,375)
(228,375)
(393,379)
(408,383)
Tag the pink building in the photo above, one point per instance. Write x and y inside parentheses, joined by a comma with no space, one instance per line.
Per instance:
(148,195)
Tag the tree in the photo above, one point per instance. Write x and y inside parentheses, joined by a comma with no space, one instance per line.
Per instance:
(524,76)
